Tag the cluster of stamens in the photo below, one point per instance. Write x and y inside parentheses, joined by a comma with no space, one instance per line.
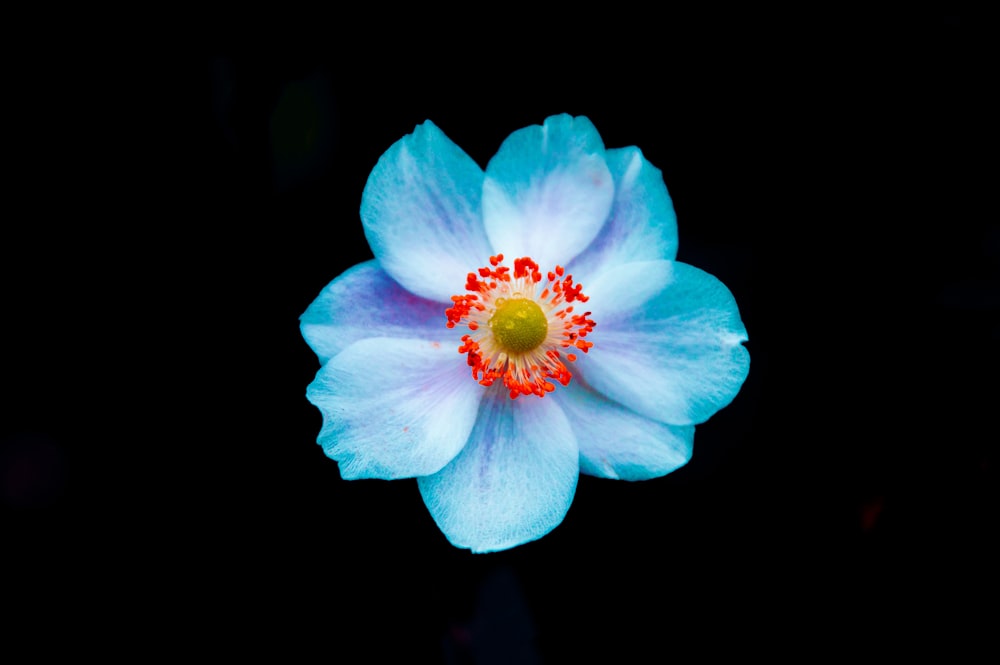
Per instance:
(521,326)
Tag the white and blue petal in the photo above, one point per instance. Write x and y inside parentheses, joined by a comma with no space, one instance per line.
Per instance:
(513,481)
(618,443)
(422,214)
(642,225)
(365,302)
(668,342)
(394,408)
(548,191)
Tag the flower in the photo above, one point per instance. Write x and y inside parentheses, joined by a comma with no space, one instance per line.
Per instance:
(551,378)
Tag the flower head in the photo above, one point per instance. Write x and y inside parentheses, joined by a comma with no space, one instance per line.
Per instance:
(470,355)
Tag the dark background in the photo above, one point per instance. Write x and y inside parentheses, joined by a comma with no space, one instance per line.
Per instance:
(157,448)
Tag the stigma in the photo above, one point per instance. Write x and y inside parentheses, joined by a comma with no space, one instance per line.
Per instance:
(522,327)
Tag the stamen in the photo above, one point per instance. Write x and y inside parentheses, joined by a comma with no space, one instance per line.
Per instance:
(519,326)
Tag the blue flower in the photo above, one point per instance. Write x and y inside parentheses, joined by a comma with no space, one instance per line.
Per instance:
(469,354)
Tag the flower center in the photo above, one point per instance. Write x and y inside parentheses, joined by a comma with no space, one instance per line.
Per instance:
(518,324)
(519,327)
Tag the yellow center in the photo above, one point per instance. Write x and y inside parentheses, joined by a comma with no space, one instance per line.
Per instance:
(518,325)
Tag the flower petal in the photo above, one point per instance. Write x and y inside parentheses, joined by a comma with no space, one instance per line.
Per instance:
(422,214)
(642,225)
(676,358)
(618,443)
(514,480)
(394,408)
(365,302)
(547,191)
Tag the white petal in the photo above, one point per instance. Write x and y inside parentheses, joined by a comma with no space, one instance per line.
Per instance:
(621,290)
(677,358)
(394,408)
(422,214)
(547,191)
(618,443)
(365,302)
(642,225)
(514,480)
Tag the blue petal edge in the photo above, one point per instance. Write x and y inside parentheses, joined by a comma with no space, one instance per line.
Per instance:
(365,302)
(548,191)
(514,480)
(422,214)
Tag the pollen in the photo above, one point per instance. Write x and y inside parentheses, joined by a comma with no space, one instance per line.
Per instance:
(522,326)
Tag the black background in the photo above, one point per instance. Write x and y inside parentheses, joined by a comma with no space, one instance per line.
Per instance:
(158,454)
